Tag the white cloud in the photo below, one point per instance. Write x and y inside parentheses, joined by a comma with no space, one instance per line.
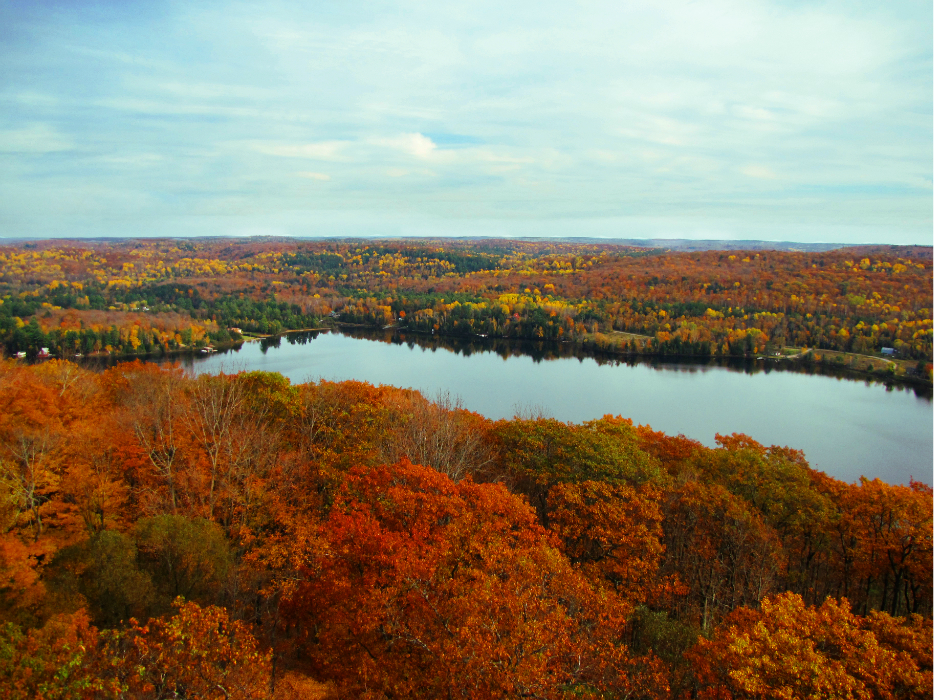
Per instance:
(415,145)
(323,150)
(760,172)
(35,138)
(214,91)
(36,99)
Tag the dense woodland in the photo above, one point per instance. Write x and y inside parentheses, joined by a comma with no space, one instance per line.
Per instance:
(241,537)
(159,296)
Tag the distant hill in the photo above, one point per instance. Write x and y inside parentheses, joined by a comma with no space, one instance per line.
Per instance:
(692,245)
(919,252)
(687,244)
(668,244)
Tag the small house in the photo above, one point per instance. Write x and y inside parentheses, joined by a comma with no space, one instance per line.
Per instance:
(888,351)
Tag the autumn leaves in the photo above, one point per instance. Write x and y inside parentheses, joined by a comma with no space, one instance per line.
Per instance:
(526,557)
(429,588)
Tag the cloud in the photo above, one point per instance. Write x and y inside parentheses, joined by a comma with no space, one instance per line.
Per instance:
(324,150)
(660,109)
(35,138)
(416,145)
(759,172)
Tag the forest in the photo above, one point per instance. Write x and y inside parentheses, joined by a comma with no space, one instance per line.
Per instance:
(239,536)
(145,297)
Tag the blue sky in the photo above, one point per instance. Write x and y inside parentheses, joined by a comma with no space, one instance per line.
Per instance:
(803,121)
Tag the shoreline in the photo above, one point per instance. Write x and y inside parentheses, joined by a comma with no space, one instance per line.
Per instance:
(805,357)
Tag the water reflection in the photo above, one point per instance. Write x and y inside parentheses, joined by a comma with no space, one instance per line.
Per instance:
(845,427)
(538,352)
(545,351)
(273,341)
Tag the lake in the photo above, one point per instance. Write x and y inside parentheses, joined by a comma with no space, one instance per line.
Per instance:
(845,427)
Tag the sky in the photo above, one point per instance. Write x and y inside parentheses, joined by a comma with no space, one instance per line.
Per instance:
(724,119)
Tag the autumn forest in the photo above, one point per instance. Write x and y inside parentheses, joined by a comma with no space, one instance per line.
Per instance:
(240,536)
(142,297)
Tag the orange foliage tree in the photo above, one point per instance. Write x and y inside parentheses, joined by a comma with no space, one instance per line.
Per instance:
(611,532)
(196,653)
(790,650)
(430,588)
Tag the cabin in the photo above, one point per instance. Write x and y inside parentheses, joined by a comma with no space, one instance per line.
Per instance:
(888,351)
(43,352)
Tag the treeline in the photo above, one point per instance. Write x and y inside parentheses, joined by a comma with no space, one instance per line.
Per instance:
(344,540)
(207,321)
(122,339)
(266,316)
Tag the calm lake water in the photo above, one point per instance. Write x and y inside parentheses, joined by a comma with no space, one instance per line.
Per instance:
(846,427)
